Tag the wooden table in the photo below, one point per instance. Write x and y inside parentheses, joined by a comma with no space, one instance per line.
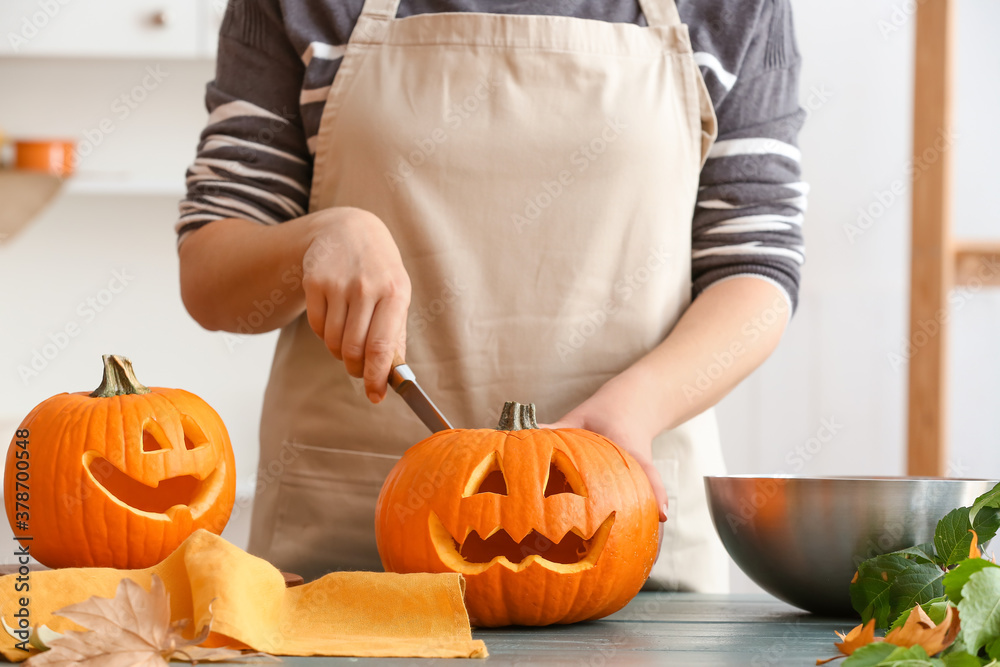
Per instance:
(656,629)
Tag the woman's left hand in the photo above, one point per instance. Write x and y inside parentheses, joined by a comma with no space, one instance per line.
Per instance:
(616,412)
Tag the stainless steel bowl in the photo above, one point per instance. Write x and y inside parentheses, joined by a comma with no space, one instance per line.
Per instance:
(801,539)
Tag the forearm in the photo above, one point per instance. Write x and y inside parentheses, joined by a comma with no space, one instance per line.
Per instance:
(727,332)
(241,276)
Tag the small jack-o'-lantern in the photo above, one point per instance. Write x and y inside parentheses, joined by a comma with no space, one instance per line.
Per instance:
(547,526)
(118,477)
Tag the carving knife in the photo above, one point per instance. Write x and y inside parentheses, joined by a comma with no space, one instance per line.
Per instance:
(401,379)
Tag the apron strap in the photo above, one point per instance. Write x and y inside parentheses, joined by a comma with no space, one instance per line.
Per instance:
(373,22)
(380,8)
(660,13)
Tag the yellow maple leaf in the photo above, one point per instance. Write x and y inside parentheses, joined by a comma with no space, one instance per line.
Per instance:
(132,629)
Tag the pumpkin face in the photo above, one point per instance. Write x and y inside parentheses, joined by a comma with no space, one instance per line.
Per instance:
(121,479)
(547,526)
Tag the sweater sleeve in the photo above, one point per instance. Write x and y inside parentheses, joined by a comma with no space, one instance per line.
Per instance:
(252,160)
(751,198)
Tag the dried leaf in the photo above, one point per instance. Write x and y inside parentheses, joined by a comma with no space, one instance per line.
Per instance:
(38,636)
(132,629)
(920,630)
(860,635)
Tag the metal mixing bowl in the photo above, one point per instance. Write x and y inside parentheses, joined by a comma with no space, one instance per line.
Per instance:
(801,539)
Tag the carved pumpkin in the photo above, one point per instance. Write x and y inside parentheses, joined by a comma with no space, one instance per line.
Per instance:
(547,526)
(118,477)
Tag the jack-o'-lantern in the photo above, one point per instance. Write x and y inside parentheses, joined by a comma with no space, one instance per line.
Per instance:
(546,525)
(118,477)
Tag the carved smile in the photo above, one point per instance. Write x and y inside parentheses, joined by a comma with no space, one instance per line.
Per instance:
(169,496)
(573,552)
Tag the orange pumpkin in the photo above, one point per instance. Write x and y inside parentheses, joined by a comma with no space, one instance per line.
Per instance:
(547,526)
(118,477)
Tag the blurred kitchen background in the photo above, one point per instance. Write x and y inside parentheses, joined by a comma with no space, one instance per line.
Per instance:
(128,77)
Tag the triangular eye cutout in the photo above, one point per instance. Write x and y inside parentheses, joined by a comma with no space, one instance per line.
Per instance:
(487,477)
(563,477)
(153,437)
(194,437)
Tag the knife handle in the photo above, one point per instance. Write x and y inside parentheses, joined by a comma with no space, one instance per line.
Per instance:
(399,372)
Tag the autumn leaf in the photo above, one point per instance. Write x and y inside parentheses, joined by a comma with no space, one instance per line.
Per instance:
(859,636)
(920,630)
(974,551)
(132,629)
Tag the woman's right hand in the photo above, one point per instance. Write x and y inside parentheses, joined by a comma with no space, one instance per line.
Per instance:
(357,293)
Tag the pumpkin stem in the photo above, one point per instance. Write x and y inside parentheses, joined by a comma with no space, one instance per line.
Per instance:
(517,417)
(119,379)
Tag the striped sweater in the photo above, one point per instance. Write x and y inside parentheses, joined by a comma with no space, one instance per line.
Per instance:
(278,58)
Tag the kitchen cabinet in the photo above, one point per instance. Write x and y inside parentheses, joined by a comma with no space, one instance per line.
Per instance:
(111,28)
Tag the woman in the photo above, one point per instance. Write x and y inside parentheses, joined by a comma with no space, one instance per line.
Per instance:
(556,209)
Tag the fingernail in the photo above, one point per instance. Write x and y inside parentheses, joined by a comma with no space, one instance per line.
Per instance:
(373,397)
(663,511)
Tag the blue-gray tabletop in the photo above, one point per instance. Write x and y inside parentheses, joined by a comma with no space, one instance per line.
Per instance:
(656,629)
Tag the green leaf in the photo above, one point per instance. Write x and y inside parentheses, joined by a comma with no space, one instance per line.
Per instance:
(986,523)
(993,649)
(952,538)
(914,656)
(889,584)
(989,499)
(956,579)
(922,553)
(936,610)
(961,659)
(980,609)
(870,592)
(870,655)
(918,584)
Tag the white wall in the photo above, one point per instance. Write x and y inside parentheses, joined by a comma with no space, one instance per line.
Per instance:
(834,364)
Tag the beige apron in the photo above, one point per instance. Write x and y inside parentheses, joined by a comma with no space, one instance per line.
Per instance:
(539,175)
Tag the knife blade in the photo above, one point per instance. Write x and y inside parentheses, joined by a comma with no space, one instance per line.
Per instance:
(404,382)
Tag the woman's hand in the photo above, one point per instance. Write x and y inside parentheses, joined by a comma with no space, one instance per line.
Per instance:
(738,321)
(617,412)
(357,293)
